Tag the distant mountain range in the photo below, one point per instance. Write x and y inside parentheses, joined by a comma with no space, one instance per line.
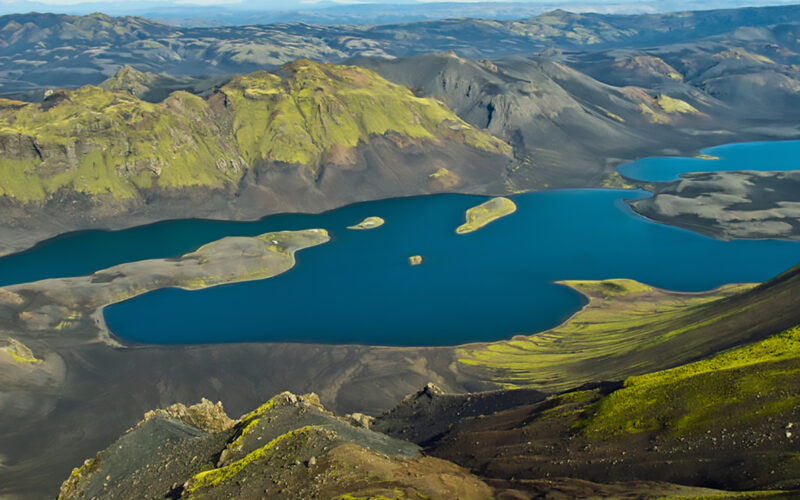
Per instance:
(327,12)
(41,50)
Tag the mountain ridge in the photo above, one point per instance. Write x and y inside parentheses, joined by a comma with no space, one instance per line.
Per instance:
(188,51)
(254,141)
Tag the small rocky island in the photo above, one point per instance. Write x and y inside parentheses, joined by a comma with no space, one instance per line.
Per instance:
(486,212)
(368,223)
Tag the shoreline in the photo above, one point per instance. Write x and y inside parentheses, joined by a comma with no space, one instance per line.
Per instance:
(28,239)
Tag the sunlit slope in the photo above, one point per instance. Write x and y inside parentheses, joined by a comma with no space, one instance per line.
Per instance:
(743,385)
(629,329)
(100,142)
(94,141)
(317,110)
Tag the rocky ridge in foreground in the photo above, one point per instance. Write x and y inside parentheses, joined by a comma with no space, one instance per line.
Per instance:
(290,447)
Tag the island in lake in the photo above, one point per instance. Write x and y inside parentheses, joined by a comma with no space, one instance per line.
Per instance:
(486,212)
(368,223)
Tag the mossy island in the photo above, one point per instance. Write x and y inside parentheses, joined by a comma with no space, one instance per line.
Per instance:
(368,223)
(486,212)
(415,260)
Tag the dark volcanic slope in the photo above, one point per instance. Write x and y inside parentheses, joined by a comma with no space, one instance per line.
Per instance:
(291,447)
(568,129)
(727,422)
(426,415)
(45,49)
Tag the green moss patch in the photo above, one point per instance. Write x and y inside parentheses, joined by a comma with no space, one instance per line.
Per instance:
(739,386)
(626,328)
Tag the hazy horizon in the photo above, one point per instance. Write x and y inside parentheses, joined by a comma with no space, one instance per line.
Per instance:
(217,12)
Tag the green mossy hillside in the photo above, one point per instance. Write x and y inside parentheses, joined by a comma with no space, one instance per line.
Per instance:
(104,141)
(627,328)
(321,109)
(94,141)
(741,386)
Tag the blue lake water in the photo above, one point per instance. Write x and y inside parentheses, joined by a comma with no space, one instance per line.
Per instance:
(359,288)
(761,156)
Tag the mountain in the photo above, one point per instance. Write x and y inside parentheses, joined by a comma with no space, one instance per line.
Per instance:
(601,91)
(567,128)
(748,68)
(45,50)
(726,422)
(336,134)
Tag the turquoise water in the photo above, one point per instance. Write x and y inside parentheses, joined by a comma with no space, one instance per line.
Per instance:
(486,285)
(761,156)
(359,288)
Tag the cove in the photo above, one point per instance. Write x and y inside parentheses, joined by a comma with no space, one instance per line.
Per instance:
(760,156)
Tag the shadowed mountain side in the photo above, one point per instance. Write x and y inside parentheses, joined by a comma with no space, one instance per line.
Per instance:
(155,87)
(568,129)
(726,422)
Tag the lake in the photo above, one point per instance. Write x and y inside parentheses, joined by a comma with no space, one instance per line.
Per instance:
(359,288)
(760,156)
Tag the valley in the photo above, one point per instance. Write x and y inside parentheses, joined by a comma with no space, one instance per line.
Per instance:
(552,257)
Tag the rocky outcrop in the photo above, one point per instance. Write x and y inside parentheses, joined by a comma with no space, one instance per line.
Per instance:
(428,413)
(290,447)
(204,415)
